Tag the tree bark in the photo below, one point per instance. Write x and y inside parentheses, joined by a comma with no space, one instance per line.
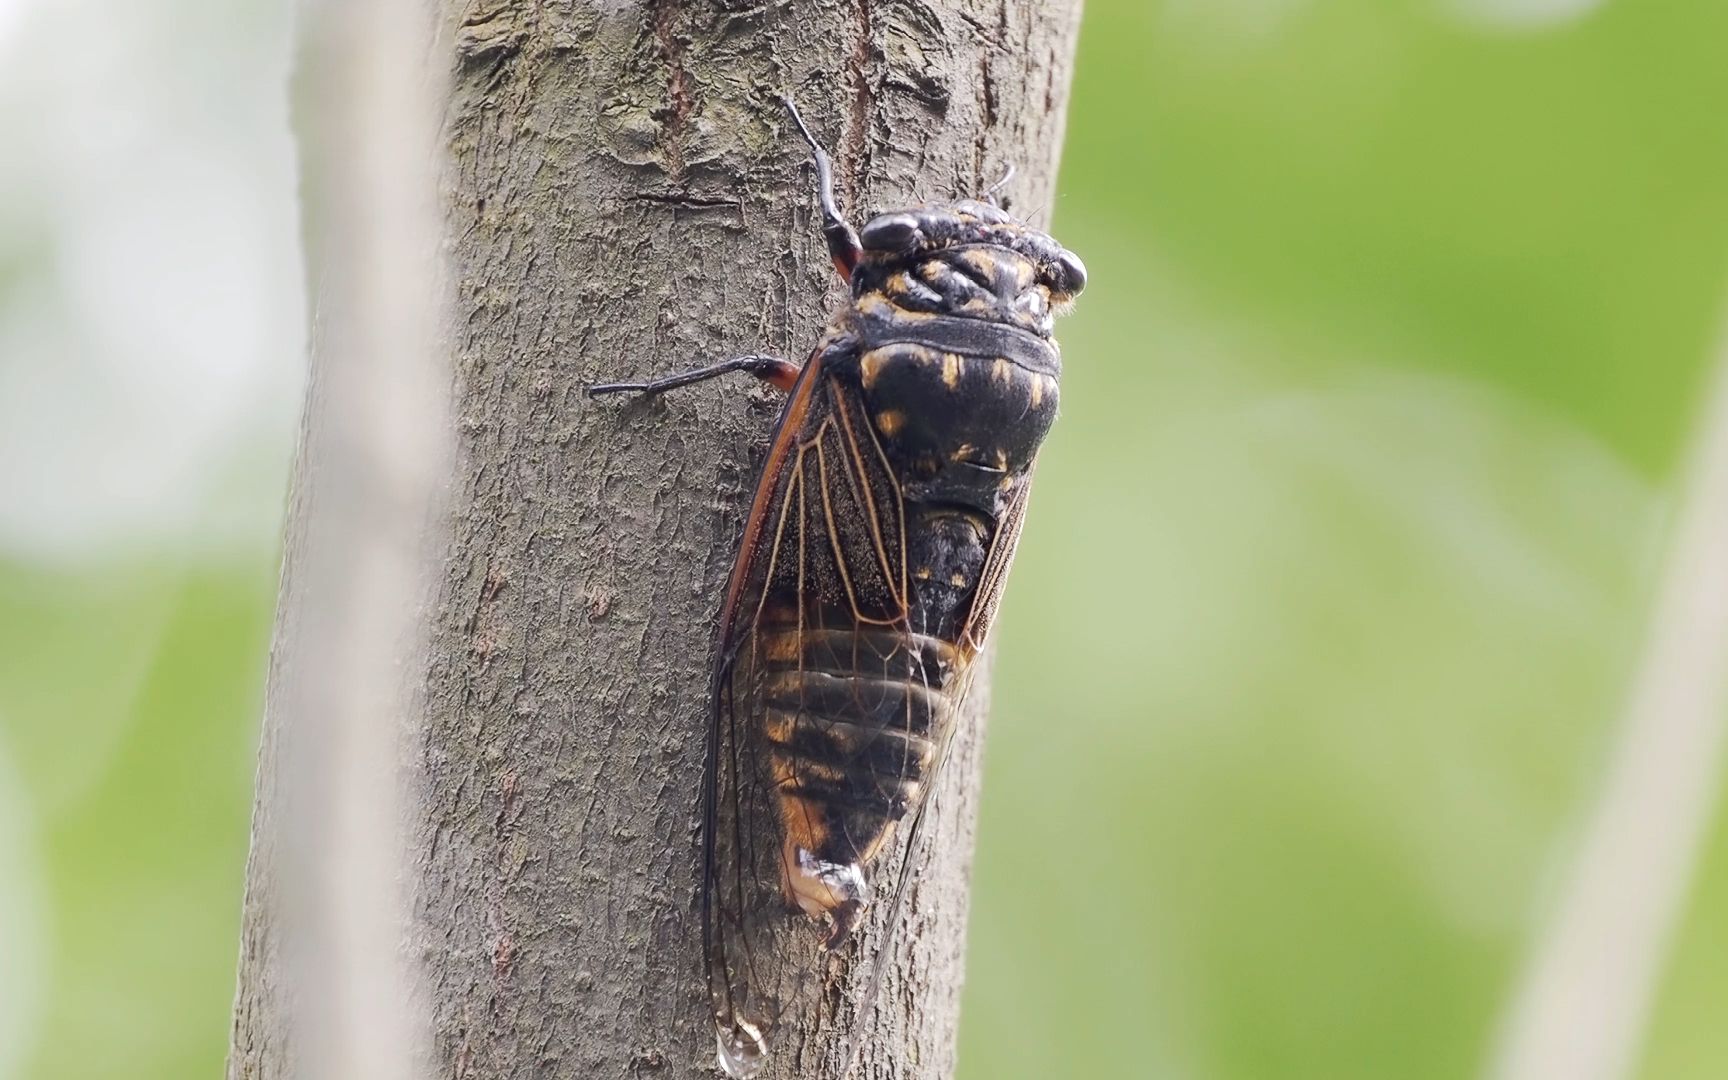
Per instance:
(625,197)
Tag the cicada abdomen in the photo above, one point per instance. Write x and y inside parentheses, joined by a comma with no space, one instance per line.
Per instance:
(873,557)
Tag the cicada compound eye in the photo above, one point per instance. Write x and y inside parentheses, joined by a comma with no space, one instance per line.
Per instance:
(1069,275)
(891,234)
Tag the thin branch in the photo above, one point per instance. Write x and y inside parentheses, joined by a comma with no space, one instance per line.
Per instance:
(1584,1001)
(326,910)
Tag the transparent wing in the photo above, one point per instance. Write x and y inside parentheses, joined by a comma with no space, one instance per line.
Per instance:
(831,721)
(812,664)
(914,852)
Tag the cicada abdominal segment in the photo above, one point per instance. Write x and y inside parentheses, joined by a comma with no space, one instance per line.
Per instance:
(854,721)
(874,555)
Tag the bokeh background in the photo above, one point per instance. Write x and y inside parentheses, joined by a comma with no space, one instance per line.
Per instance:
(1341,562)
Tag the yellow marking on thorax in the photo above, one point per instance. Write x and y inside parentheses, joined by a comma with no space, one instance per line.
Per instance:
(1002,370)
(890,421)
(1037,390)
(981,261)
(952,367)
(879,305)
(870,368)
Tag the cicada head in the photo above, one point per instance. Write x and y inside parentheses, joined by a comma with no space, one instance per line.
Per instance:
(971,260)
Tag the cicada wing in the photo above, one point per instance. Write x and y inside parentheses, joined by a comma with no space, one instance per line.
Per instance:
(813,660)
(750,945)
(915,845)
(832,719)
(759,963)
(975,631)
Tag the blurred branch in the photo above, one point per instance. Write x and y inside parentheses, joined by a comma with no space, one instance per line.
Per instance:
(624,197)
(324,988)
(1585,998)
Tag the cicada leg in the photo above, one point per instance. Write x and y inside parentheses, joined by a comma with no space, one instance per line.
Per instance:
(770,369)
(842,238)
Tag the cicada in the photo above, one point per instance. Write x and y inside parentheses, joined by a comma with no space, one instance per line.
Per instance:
(873,558)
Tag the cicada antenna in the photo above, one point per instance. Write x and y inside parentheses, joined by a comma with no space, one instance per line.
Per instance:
(991,191)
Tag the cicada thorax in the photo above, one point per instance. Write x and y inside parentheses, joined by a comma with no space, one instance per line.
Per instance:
(958,371)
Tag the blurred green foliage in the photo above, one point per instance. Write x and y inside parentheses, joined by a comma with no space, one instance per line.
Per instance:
(1341,552)
(129,699)
(1339,563)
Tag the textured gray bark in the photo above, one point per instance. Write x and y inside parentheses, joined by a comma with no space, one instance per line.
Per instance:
(625,197)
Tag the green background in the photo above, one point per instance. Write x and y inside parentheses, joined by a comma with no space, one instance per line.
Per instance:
(1339,565)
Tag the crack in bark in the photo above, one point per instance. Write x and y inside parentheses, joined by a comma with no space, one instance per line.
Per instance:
(679,101)
(863,100)
(687,201)
(987,109)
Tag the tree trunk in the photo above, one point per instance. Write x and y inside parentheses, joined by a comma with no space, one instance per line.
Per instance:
(625,197)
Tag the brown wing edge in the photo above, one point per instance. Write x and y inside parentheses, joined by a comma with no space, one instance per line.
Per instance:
(743,1038)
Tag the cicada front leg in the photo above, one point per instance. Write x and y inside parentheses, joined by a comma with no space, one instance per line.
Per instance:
(774,370)
(842,238)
